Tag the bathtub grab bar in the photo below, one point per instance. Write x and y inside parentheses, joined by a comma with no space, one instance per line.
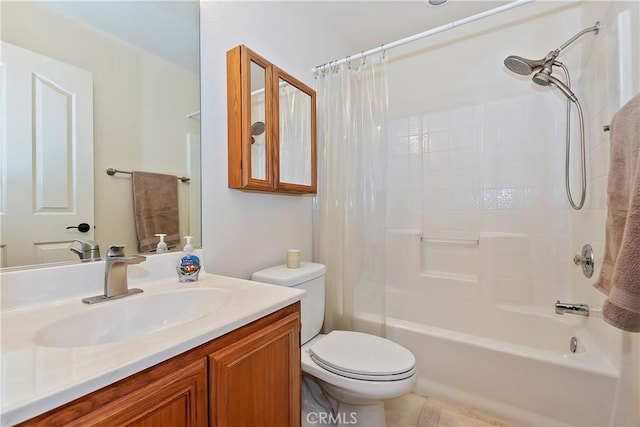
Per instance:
(447,241)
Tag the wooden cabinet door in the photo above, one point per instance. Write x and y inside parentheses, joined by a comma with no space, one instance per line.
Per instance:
(256,380)
(168,395)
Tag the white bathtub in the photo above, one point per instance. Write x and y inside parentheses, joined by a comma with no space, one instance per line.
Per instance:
(513,362)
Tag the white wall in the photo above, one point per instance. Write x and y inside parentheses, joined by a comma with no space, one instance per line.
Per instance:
(245,232)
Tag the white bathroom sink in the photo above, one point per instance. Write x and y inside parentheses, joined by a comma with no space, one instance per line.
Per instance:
(131,317)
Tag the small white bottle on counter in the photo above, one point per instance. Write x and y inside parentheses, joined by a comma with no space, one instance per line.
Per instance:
(161,247)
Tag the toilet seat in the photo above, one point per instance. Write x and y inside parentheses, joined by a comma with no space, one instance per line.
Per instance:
(362,356)
(372,377)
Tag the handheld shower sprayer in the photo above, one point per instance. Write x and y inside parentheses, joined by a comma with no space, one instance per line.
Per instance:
(542,70)
(544,78)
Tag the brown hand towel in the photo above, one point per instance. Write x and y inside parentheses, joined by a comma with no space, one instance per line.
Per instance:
(155,204)
(620,274)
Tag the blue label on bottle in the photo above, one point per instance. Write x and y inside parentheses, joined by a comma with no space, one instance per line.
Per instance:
(189,265)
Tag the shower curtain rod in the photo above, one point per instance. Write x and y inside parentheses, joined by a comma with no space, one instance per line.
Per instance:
(445,27)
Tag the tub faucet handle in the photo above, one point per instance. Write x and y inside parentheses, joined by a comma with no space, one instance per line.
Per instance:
(585,259)
(580,260)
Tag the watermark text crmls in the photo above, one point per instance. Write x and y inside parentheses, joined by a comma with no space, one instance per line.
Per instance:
(331,418)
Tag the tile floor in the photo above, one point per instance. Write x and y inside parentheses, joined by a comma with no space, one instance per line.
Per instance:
(413,410)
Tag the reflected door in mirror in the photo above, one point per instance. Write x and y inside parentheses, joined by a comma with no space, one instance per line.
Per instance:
(49,139)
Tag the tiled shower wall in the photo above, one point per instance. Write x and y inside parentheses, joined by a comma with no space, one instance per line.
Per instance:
(481,176)
(610,78)
(483,186)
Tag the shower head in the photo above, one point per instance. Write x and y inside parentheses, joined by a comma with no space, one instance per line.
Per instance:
(543,67)
(256,129)
(523,66)
(543,78)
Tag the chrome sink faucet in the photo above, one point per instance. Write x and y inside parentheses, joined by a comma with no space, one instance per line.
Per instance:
(89,250)
(115,275)
(579,309)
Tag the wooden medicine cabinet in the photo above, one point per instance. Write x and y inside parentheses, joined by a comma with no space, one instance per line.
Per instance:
(271,127)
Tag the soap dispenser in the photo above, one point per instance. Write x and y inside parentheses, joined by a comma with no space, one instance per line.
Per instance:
(189,263)
(162,246)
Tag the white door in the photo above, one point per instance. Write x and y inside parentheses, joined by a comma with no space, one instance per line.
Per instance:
(47,157)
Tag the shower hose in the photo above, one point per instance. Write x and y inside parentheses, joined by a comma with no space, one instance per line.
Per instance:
(568,146)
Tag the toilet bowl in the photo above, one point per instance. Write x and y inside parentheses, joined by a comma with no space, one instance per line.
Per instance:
(363,387)
(356,371)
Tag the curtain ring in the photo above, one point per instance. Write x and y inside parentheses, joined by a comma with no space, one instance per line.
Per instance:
(349,62)
(364,61)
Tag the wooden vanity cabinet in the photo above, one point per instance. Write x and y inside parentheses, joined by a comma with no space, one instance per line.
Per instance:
(248,377)
(256,380)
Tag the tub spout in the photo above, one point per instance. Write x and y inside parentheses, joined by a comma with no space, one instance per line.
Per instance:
(579,309)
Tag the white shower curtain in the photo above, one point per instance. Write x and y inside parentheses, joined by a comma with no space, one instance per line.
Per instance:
(349,209)
(295,126)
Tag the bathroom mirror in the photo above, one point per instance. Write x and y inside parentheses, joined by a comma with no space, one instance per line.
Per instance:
(258,117)
(271,127)
(139,64)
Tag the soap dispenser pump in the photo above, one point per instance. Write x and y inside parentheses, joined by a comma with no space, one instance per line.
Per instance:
(162,246)
(189,263)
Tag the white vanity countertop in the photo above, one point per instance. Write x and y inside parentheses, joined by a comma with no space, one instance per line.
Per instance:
(36,379)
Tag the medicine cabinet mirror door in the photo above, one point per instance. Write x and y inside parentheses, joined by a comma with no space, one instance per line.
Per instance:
(257,135)
(296,131)
(250,111)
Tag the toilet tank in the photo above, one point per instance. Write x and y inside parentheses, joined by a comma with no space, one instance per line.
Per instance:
(309,277)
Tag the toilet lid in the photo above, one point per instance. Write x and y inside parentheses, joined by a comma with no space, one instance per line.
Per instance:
(362,356)
(394,377)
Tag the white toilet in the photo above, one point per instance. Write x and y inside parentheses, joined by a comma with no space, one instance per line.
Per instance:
(357,371)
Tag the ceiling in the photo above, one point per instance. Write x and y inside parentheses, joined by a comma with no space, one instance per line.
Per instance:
(169,29)
(367,24)
(165,27)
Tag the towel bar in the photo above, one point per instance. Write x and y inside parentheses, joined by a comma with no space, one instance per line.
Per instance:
(112,171)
